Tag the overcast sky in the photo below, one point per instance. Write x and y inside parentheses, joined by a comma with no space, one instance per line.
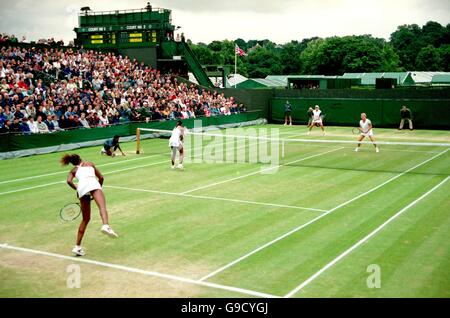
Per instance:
(206,20)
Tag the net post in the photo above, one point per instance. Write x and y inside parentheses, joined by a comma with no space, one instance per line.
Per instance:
(138,141)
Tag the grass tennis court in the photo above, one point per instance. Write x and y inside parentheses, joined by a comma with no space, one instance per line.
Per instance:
(224,230)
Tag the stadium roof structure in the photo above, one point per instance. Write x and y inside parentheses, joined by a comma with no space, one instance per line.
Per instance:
(261,83)
(282,80)
(369,79)
(216,81)
(403,78)
(443,78)
(235,79)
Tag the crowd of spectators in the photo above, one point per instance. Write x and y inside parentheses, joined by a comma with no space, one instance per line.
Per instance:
(12,39)
(91,89)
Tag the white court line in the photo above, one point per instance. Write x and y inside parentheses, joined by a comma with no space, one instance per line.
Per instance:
(63,172)
(140,271)
(217,198)
(317,218)
(381,135)
(319,145)
(105,174)
(259,171)
(31,188)
(101,165)
(362,241)
(440,144)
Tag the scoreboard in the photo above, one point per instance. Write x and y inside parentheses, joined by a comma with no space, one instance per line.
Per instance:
(113,38)
(124,29)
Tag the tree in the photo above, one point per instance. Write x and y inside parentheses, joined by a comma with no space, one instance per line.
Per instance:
(204,54)
(407,41)
(290,57)
(263,62)
(444,52)
(429,59)
(411,47)
(433,33)
(241,43)
(338,55)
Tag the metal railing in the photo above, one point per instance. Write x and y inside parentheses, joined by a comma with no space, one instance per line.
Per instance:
(143,10)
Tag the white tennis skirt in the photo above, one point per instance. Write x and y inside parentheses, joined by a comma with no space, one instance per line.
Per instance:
(368,134)
(87,185)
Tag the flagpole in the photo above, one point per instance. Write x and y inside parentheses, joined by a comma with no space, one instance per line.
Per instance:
(235,66)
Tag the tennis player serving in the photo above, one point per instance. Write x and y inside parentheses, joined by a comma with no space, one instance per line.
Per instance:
(366,130)
(88,185)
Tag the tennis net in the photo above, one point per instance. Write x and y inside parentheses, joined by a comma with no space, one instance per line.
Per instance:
(262,145)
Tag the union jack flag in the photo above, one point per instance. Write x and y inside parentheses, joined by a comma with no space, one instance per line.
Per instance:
(240,51)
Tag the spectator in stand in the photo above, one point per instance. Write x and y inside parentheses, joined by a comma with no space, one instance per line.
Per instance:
(95,120)
(31,110)
(84,122)
(42,127)
(55,123)
(2,116)
(8,114)
(5,128)
(15,126)
(103,120)
(49,123)
(117,88)
(33,126)
(24,127)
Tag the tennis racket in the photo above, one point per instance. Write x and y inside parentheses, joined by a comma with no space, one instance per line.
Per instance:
(356,131)
(70,212)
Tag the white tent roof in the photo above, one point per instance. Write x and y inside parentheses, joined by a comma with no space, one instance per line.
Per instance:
(425,77)
(232,80)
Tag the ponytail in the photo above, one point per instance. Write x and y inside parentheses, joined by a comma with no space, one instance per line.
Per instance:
(70,159)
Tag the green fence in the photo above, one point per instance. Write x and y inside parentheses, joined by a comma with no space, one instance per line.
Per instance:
(431,113)
(430,106)
(12,142)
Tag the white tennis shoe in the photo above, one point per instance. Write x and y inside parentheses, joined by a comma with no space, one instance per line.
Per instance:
(78,251)
(356,149)
(106,229)
(180,166)
(377,150)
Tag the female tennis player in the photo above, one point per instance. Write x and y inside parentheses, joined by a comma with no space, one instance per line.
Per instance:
(88,185)
(317,120)
(176,144)
(365,127)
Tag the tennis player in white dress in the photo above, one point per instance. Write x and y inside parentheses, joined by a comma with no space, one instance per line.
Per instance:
(89,186)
